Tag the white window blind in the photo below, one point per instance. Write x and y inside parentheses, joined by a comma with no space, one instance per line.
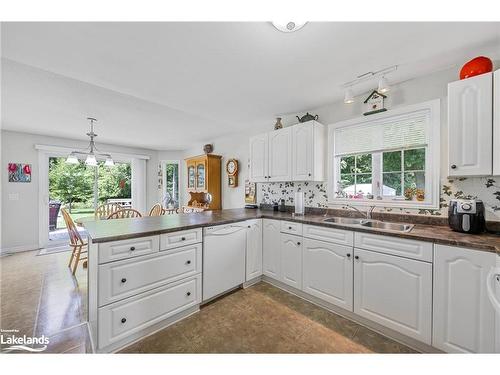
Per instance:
(405,131)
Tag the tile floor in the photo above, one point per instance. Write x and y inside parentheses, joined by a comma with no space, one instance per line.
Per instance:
(39,296)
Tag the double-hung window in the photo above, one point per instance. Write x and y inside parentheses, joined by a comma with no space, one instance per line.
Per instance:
(389,159)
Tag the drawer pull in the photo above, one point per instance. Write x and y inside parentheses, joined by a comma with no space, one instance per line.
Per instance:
(132,248)
(348,255)
(453,166)
(188,262)
(183,238)
(356,257)
(290,228)
(298,243)
(124,280)
(249,226)
(188,293)
(124,320)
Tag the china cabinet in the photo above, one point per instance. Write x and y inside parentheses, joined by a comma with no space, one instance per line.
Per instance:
(204,181)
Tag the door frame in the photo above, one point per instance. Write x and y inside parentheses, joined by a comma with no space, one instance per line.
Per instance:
(163,164)
(138,188)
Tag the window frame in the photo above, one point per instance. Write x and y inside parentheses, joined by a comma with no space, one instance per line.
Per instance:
(432,159)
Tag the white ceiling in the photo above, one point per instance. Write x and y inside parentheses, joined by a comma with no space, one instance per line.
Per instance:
(168,85)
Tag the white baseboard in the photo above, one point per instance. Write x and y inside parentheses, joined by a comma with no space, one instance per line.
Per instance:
(18,249)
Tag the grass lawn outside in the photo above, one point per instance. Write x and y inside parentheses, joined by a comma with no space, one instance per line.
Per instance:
(76,213)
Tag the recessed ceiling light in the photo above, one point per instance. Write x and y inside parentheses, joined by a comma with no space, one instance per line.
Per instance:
(288,26)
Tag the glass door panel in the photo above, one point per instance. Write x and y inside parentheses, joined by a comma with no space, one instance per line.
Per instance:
(200,176)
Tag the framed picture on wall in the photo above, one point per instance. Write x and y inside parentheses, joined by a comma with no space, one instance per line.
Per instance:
(19,172)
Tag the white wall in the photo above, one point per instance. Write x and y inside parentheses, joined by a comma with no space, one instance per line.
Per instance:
(19,218)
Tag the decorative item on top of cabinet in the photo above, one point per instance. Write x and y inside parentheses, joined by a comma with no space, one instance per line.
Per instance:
(278,124)
(307,117)
(232,172)
(374,103)
(204,176)
(470,126)
(208,148)
(475,67)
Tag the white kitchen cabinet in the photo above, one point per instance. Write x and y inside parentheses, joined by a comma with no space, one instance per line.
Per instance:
(395,292)
(280,155)
(271,248)
(291,260)
(259,158)
(470,111)
(254,249)
(327,272)
(464,319)
(308,151)
(496,123)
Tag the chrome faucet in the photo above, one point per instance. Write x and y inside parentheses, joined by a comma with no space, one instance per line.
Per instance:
(367,214)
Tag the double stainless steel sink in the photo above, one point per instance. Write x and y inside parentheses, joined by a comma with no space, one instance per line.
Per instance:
(369,223)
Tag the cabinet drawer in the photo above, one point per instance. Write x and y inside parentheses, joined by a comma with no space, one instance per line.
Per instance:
(116,250)
(291,227)
(394,245)
(124,318)
(177,239)
(340,236)
(126,278)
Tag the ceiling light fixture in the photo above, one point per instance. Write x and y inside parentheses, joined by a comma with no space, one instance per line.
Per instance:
(349,96)
(383,85)
(91,152)
(288,26)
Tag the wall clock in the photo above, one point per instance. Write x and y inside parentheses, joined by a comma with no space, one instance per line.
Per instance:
(232,172)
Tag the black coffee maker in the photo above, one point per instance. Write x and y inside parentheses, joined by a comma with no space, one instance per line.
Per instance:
(466,215)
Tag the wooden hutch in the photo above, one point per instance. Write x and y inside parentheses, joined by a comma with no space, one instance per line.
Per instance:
(204,178)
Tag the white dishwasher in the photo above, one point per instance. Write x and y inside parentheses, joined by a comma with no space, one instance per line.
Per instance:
(224,248)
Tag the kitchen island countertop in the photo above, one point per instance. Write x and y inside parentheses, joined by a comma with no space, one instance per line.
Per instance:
(121,229)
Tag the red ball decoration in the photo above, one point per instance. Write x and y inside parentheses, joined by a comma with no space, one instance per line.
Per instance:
(27,169)
(12,167)
(475,67)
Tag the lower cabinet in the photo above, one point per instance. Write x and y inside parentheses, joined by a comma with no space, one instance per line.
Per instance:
(291,260)
(395,292)
(328,271)
(271,240)
(464,319)
(254,249)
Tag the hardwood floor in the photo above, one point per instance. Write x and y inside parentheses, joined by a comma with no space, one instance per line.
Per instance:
(39,296)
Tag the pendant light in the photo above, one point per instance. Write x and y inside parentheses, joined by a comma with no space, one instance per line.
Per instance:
(349,96)
(383,85)
(91,152)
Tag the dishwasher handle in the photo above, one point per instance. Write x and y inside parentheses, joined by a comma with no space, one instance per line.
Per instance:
(224,230)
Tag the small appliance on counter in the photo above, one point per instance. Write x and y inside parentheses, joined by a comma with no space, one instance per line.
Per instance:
(282,206)
(299,203)
(466,215)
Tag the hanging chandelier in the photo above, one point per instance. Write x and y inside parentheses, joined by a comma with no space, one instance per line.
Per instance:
(91,152)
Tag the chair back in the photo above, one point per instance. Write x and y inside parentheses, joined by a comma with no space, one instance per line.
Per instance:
(156,210)
(170,211)
(125,213)
(74,235)
(104,210)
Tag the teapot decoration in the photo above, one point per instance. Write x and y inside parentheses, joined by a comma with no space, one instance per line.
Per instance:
(307,117)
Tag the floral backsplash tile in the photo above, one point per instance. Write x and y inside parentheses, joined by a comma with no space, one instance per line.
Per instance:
(315,195)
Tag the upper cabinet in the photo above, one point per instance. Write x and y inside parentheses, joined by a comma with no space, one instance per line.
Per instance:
(295,153)
(470,126)
(496,123)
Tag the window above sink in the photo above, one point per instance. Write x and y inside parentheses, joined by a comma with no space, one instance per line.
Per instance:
(389,159)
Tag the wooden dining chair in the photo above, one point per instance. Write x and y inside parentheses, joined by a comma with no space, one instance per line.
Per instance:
(156,210)
(76,242)
(104,210)
(125,213)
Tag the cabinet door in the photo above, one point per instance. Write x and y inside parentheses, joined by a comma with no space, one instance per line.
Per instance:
(496,124)
(280,155)
(254,249)
(191,176)
(464,319)
(271,248)
(470,126)
(302,152)
(394,292)
(291,260)
(201,178)
(327,272)
(259,158)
